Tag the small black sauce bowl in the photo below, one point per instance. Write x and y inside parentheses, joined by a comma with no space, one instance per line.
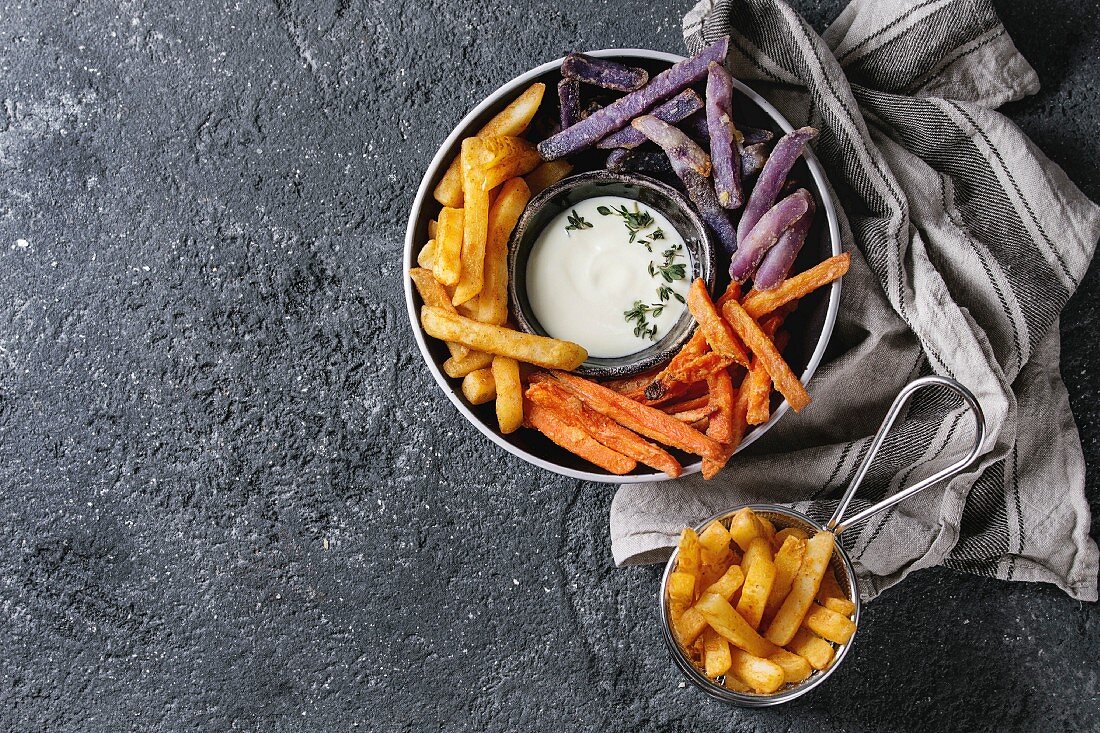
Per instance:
(567,193)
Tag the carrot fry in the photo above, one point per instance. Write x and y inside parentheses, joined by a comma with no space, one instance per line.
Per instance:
(785,380)
(761,302)
(575,440)
(644,420)
(716,331)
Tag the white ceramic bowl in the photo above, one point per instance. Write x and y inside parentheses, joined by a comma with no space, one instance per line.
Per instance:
(810,326)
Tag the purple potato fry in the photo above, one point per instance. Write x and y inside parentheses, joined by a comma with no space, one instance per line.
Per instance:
(650,162)
(725,150)
(619,113)
(692,165)
(679,107)
(777,262)
(753,158)
(569,101)
(754,135)
(603,73)
(753,246)
(592,107)
(696,128)
(771,178)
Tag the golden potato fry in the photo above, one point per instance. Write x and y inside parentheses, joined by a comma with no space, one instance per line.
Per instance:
(724,619)
(782,535)
(815,650)
(538,350)
(833,597)
(681,593)
(508,157)
(815,562)
(426,257)
(692,623)
(492,303)
(475,221)
(795,668)
(744,527)
(448,246)
(734,683)
(688,555)
(433,294)
(787,562)
(840,605)
(512,120)
(478,387)
(767,526)
(759,578)
(458,367)
(715,552)
(433,227)
(509,394)
(468,309)
(716,654)
(829,625)
(547,175)
(763,675)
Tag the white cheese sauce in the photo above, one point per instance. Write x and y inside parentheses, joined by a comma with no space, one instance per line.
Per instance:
(610,274)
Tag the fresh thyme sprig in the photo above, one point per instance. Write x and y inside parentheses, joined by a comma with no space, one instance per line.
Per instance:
(578,222)
(636,221)
(640,313)
(664,292)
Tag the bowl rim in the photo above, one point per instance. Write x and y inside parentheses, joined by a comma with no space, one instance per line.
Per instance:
(706,264)
(441,159)
(785,694)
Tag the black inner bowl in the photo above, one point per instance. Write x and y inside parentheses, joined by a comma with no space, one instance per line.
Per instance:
(652,193)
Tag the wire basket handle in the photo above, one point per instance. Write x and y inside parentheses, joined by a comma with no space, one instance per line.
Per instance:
(838,523)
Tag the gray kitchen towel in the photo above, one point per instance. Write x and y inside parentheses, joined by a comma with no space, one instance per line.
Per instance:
(966,242)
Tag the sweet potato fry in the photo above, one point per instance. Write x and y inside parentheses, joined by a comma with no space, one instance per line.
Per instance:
(829,625)
(475,221)
(720,428)
(448,246)
(815,563)
(547,174)
(457,367)
(761,382)
(492,302)
(633,387)
(512,120)
(575,440)
(759,303)
(478,386)
(538,350)
(787,562)
(644,420)
(759,570)
(716,654)
(433,294)
(722,617)
(684,405)
(509,394)
(795,668)
(815,650)
(763,675)
(760,345)
(715,330)
(691,417)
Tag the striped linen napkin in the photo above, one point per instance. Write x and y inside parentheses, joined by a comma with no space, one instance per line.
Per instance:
(966,242)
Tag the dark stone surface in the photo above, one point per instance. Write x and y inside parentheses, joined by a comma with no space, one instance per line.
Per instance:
(231,498)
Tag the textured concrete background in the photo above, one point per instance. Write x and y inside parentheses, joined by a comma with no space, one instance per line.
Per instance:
(231,497)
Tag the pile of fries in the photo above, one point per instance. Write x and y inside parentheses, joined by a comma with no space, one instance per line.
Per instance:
(705,399)
(755,609)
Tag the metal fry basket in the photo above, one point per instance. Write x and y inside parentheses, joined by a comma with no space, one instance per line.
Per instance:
(841,564)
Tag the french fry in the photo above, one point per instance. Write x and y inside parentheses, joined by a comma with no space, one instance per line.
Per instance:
(426,256)
(787,562)
(715,330)
(839,605)
(715,552)
(433,294)
(448,246)
(795,668)
(547,175)
(509,394)
(508,157)
(722,617)
(759,303)
(433,226)
(720,428)
(688,627)
(458,367)
(785,380)
(728,584)
(763,675)
(759,570)
(744,528)
(767,526)
(478,387)
(538,350)
(689,553)
(512,120)
(716,654)
(815,650)
(492,302)
(475,220)
(833,597)
(829,625)
(575,440)
(644,420)
(782,535)
(736,684)
(681,593)
(815,562)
